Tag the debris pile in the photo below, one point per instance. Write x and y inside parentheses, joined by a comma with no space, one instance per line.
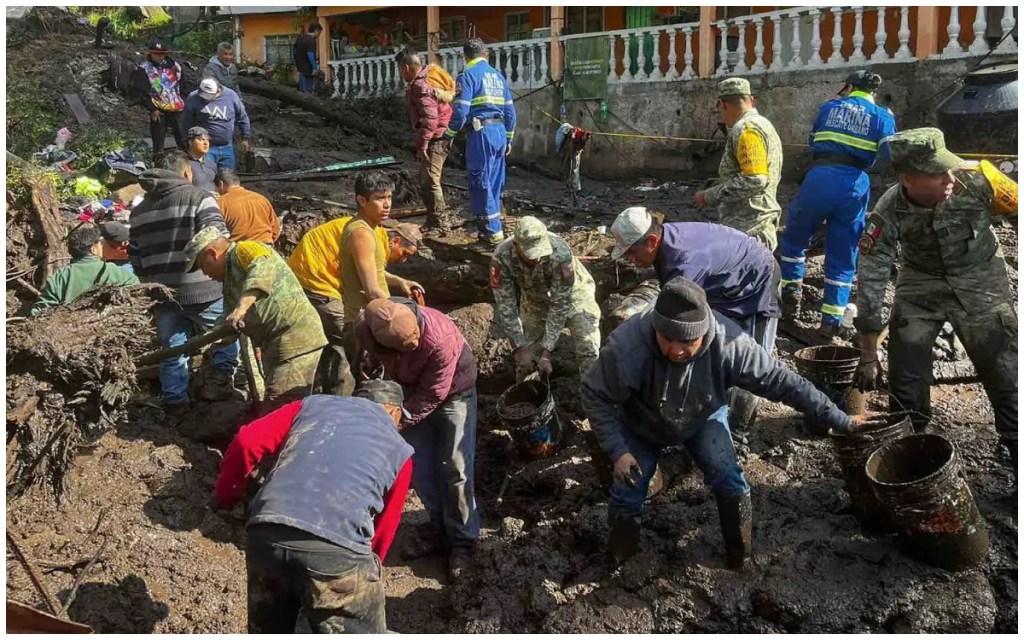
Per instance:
(70,373)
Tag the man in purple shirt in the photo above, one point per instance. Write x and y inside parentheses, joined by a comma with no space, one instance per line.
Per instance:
(738,274)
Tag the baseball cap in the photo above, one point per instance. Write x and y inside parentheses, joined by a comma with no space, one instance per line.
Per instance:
(197,132)
(864,80)
(393,324)
(208,89)
(198,243)
(114,231)
(734,87)
(382,392)
(158,46)
(532,238)
(409,232)
(630,226)
(921,151)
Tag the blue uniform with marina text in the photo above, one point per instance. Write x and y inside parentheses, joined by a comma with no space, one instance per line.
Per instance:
(484,101)
(845,140)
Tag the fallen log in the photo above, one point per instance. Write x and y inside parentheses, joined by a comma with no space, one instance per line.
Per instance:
(326,110)
(192,346)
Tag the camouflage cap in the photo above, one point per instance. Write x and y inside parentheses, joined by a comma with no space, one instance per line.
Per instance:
(198,243)
(532,238)
(921,151)
(734,87)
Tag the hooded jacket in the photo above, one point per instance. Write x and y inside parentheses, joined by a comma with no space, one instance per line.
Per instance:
(633,386)
(225,76)
(428,115)
(172,211)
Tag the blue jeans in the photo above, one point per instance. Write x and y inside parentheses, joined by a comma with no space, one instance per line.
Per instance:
(442,466)
(712,450)
(485,172)
(742,403)
(307,84)
(223,156)
(174,326)
(838,195)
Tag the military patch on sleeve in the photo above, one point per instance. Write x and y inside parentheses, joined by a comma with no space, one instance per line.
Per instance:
(1004,189)
(567,272)
(871,233)
(752,154)
(495,276)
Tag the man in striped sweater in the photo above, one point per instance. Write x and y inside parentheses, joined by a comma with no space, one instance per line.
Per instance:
(173,211)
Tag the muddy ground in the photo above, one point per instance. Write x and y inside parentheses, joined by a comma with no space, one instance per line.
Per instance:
(168,564)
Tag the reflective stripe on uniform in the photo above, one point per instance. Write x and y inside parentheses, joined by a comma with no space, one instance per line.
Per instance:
(836,283)
(450,132)
(833,309)
(785,282)
(460,101)
(509,134)
(842,138)
(488,100)
(793,260)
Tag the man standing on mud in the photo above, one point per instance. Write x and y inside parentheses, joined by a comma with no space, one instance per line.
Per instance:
(750,170)
(483,99)
(939,218)
(159,79)
(425,352)
(218,110)
(662,380)
(738,274)
(428,99)
(539,289)
(170,214)
(304,56)
(204,168)
(322,523)
(265,301)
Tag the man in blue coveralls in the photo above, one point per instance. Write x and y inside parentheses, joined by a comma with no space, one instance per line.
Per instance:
(845,139)
(482,97)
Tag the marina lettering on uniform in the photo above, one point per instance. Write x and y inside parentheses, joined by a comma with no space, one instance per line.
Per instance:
(852,118)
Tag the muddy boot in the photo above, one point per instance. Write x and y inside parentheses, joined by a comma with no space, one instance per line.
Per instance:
(492,240)
(428,541)
(459,561)
(792,296)
(176,411)
(623,539)
(830,332)
(734,516)
(218,386)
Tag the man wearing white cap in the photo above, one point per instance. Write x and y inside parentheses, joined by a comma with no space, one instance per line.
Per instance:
(218,110)
(738,274)
(539,289)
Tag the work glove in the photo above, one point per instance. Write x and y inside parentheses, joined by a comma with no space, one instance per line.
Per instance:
(544,364)
(869,376)
(627,470)
(523,358)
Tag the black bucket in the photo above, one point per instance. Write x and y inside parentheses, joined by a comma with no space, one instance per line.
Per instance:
(853,451)
(919,482)
(528,411)
(831,369)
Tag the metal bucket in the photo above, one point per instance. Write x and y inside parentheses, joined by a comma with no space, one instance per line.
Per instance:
(853,451)
(535,428)
(831,369)
(919,482)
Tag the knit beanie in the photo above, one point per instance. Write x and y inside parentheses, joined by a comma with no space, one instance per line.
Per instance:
(681,312)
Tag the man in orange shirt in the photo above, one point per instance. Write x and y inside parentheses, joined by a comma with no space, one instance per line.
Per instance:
(248,215)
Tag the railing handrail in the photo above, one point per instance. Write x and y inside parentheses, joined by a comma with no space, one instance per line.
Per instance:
(658,28)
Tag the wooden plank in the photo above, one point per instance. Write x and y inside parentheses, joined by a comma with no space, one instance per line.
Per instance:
(77,108)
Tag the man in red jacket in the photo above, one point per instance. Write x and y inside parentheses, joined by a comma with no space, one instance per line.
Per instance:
(423,350)
(321,524)
(430,110)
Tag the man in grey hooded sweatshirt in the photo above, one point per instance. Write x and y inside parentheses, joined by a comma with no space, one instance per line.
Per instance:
(670,369)
(221,67)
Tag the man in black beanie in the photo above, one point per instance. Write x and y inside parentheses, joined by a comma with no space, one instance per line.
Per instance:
(670,369)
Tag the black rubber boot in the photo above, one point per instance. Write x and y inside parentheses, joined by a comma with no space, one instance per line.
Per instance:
(623,539)
(734,516)
(792,296)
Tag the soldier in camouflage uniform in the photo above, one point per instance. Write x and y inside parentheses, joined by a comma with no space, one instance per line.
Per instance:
(539,289)
(750,169)
(268,304)
(939,218)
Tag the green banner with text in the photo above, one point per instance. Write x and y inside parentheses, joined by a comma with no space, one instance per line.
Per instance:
(586,68)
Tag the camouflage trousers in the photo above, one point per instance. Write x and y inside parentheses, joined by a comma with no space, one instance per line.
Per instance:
(336,372)
(289,570)
(988,336)
(288,379)
(583,323)
(764,231)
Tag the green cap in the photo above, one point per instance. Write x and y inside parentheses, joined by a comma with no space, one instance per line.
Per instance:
(921,151)
(734,87)
(532,238)
(200,241)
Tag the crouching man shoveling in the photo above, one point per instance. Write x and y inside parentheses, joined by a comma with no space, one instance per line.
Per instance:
(670,369)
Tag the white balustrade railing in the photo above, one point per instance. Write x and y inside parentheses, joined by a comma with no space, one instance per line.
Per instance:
(783,40)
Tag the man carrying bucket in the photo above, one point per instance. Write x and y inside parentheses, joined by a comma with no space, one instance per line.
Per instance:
(669,369)
(423,350)
(539,289)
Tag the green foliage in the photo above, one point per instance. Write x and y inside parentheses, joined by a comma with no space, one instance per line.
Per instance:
(281,73)
(96,141)
(32,121)
(127,23)
(204,43)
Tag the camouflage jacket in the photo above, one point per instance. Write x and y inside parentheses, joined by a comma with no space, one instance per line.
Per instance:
(749,177)
(950,254)
(282,320)
(554,288)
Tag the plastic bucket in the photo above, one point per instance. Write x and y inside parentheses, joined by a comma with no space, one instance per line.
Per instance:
(919,482)
(831,369)
(528,411)
(853,451)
